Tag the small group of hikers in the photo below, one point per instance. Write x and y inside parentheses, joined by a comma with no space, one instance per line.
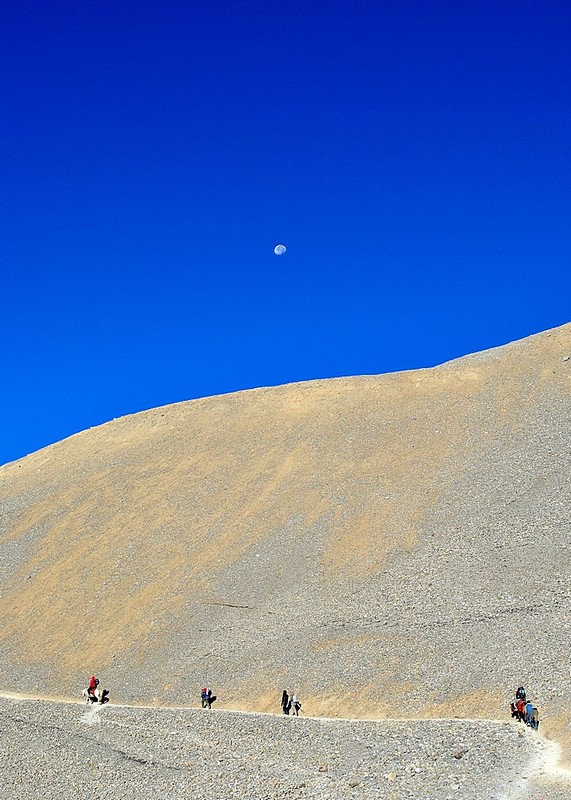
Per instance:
(290,703)
(523,709)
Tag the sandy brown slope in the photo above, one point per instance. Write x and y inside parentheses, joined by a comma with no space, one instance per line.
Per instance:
(391,545)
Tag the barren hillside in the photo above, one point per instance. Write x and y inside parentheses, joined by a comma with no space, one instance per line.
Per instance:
(396,545)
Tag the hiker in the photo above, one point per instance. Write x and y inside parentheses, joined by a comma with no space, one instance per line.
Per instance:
(285,703)
(295,704)
(520,693)
(206,697)
(528,712)
(93,684)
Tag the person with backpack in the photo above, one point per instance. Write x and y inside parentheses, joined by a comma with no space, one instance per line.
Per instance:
(285,703)
(520,693)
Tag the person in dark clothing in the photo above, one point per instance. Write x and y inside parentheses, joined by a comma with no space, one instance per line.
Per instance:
(285,702)
(520,693)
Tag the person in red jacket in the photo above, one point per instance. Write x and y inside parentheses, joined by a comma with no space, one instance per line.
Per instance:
(93,684)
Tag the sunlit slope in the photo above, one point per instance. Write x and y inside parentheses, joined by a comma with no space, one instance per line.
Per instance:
(396,544)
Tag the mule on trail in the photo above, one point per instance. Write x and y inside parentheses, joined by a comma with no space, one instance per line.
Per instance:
(97,695)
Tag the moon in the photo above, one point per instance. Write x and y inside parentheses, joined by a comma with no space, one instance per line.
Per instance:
(280,249)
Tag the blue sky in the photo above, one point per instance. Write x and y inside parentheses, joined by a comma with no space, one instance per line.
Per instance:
(413,157)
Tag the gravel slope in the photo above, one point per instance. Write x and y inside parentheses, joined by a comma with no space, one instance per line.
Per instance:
(60,751)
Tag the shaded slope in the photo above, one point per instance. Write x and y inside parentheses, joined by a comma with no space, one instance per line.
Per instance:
(384,544)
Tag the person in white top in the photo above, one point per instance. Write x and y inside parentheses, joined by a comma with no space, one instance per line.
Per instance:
(295,704)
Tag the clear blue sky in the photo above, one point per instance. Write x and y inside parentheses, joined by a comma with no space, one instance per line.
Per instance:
(413,156)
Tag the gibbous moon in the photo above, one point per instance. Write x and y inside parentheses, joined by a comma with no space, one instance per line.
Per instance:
(280,249)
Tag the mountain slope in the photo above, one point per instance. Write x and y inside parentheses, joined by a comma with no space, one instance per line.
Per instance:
(388,545)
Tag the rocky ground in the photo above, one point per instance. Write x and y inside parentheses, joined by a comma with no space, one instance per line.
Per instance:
(60,751)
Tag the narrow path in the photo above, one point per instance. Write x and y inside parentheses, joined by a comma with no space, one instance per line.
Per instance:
(80,701)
